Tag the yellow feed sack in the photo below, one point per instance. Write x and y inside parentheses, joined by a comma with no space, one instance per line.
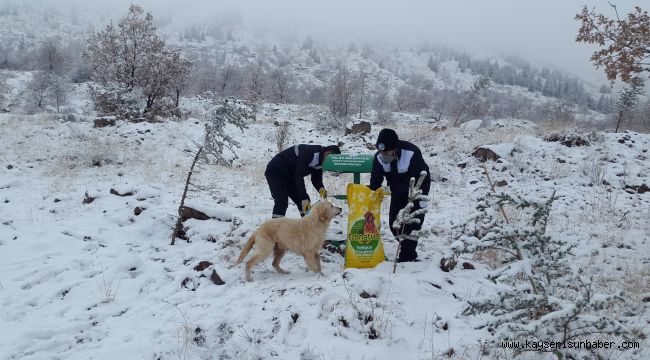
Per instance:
(363,248)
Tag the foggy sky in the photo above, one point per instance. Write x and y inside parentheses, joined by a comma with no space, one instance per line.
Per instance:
(541,32)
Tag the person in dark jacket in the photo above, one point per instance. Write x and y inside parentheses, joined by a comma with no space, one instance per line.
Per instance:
(398,161)
(286,171)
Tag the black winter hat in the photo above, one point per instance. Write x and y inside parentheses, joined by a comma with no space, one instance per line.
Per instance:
(387,140)
(332,149)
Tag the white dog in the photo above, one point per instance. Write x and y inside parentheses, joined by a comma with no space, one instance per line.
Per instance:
(303,236)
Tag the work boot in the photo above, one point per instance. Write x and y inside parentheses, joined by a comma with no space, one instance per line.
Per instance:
(407,252)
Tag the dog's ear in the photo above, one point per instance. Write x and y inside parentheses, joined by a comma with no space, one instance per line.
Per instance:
(322,213)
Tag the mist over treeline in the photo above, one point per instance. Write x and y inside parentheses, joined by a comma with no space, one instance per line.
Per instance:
(234,56)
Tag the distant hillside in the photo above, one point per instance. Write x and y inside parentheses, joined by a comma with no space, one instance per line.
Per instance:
(375,79)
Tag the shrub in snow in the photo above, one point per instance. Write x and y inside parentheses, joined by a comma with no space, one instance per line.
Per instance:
(358,127)
(539,296)
(112,99)
(328,122)
(559,113)
(369,307)
(571,139)
(165,108)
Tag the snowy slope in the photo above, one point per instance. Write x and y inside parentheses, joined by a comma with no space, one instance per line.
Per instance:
(97,281)
(228,42)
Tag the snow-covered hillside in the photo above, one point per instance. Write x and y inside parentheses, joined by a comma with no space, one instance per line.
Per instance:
(98,279)
(88,199)
(226,51)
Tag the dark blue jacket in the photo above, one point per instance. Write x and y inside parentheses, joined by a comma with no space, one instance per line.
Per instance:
(297,162)
(409,164)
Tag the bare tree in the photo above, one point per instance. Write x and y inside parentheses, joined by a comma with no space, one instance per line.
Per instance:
(4,90)
(404,98)
(559,112)
(381,98)
(255,86)
(204,77)
(132,56)
(50,56)
(422,99)
(280,84)
(624,44)
(381,102)
(59,90)
(230,81)
(340,91)
(361,87)
(78,70)
(38,89)
(180,76)
(176,70)
(120,54)
(479,86)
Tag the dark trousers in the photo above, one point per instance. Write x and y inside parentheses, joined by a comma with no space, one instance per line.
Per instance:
(282,189)
(408,242)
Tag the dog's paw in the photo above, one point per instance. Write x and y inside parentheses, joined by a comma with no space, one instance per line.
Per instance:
(280,270)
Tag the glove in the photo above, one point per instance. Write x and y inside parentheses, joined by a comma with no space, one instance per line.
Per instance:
(423,204)
(306,206)
(322,192)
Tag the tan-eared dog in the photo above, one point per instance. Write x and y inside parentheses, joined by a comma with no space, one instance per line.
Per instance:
(303,236)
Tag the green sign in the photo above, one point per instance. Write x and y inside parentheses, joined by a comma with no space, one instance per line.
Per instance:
(345,163)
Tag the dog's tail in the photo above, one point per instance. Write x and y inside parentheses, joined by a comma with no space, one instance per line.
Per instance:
(247,248)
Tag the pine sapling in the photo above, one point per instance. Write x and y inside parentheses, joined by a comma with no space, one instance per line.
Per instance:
(629,99)
(407,216)
(539,296)
(222,113)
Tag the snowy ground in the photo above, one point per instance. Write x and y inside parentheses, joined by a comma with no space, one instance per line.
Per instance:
(96,281)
